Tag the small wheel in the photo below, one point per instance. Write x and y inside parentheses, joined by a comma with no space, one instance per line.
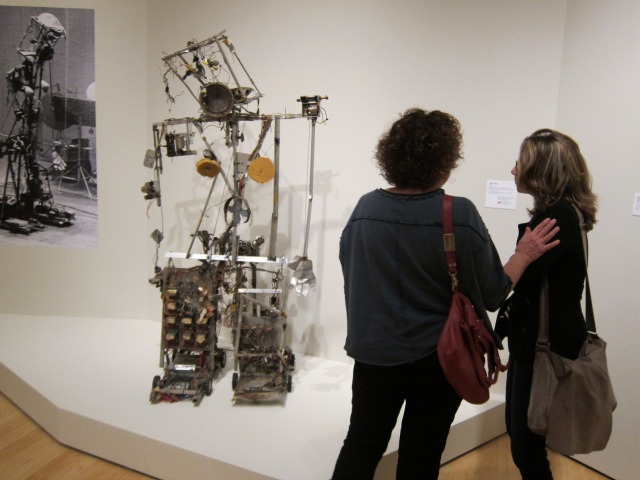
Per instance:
(208,388)
(223,358)
(156,381)
(289,383)
(234,380)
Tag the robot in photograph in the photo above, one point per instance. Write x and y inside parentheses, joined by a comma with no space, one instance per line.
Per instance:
(27,203)
(232,285)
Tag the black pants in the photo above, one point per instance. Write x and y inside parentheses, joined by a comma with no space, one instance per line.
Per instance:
(378,396)
(528,450)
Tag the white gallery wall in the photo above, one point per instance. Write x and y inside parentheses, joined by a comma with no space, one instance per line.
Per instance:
(373,60)
(504,68)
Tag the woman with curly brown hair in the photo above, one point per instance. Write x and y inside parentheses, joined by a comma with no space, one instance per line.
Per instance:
(552,170)
(398,293)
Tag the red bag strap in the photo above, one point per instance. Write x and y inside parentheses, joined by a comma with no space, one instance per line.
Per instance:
(449,240)
(494,363)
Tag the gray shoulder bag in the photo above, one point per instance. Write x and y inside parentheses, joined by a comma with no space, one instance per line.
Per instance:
(571,401)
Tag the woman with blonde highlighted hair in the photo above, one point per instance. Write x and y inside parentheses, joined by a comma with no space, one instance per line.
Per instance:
(553,171)
(550,168)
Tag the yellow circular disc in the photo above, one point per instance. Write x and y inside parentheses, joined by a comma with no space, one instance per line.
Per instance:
(262,170)
(208,168)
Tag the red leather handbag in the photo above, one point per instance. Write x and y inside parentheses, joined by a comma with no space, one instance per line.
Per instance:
(466,349)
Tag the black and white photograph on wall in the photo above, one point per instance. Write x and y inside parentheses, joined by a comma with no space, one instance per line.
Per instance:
(48,158)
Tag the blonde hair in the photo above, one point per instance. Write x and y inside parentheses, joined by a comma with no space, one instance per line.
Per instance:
(551,168)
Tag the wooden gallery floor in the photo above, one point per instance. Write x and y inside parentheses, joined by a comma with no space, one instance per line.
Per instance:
(29,453)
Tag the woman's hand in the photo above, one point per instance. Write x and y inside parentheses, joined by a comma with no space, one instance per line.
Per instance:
(534,243)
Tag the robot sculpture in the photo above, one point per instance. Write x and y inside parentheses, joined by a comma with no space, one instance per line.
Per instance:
(27,203)
(232,285)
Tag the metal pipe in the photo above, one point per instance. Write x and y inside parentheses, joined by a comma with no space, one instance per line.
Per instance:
(236,192)
(276,189)
(206,205)
(310,193)
(226,61)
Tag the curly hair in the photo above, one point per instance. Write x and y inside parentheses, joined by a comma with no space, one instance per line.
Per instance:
(420,149)
(551,167)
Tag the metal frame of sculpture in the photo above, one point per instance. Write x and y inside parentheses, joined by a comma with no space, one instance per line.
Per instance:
(232,285)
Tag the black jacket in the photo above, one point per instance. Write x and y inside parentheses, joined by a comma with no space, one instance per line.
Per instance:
(565,269)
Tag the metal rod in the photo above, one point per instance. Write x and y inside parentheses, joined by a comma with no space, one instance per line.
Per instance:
(276,189)
(310,193)
(236,191)
(206,205)
(175,72)
(193,46)
(236,342)
(157,168)
(226,258)
(246,73)
(226,61)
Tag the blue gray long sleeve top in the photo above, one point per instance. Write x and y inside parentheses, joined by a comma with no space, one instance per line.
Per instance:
(397,287)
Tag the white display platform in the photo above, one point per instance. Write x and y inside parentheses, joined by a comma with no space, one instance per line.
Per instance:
(87,382)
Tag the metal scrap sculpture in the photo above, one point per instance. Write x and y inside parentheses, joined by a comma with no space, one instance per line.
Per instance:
(232,286)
